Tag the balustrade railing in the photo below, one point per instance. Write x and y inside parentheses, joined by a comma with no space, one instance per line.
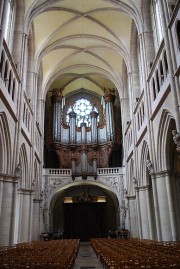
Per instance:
(129,136)
(158,74)
(27,113)
(108,171)
(64,172)
(9,74)
(100,171)
(140,112)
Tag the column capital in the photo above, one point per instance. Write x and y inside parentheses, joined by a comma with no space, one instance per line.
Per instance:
(157,174)
(56,95)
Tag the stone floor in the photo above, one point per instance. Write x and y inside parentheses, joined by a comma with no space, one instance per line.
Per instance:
(86,258)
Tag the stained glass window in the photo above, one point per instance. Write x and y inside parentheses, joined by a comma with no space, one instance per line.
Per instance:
(82,108)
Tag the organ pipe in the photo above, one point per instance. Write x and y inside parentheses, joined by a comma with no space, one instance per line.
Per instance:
(94,137)
(72,130)
(56,99)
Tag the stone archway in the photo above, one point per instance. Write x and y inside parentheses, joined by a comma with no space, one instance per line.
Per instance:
(84,219)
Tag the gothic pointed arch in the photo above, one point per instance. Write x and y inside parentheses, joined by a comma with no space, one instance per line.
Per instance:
(144,176)
(5,145)
(130,186)
(23,161)
(35,182)
(165,144)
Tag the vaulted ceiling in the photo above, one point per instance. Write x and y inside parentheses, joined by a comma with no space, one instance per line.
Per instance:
(82,44)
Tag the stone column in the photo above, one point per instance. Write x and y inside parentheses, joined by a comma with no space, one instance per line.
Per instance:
(3,16)
(24,224)
(135,72)
(132,216)
(56,100)
(1,193)
(138,211)
(162,201)
(171,206)
(146,40)
(7,213)
(124,100)
(156,207)
(144,213)
(20,38)
(149,212)
(36,227)
(109,98)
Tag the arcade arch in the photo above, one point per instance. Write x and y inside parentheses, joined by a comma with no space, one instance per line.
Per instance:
(84,216)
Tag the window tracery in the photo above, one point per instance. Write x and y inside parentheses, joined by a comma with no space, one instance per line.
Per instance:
(82,107)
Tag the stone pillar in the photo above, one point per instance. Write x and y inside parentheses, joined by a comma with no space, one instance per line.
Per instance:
(6,210)
(171,207)
(162,201)
(25,211)
(144,213)
(147,44)
(149,212)
(3,16)
(156,208)
(36,227)
(1,11)
(72,127)
(56,100)
(20,38)
(132,216)
(135,72)
(94,135)
(1,193)
(109,98)
(138,211)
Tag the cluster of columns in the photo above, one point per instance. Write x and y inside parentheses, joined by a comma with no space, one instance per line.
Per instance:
(155,208)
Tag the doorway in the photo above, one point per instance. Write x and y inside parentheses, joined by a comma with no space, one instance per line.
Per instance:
(85,220)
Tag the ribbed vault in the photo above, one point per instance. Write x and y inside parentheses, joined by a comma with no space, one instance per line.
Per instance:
(82,44)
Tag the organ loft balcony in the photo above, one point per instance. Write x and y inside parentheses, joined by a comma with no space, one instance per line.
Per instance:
(82,134)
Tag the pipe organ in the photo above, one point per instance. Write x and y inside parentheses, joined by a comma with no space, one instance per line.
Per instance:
(86,147)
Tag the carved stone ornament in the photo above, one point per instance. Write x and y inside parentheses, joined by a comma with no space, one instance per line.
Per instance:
(150,166)
(113,182)
(33,185)
(176,138)
(55,183)
(18,170)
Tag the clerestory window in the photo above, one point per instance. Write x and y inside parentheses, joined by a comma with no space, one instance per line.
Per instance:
(82,108)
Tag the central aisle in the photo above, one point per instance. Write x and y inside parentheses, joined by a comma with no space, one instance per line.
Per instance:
(86,258)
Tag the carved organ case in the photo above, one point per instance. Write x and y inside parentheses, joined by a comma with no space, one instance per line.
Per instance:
(82,131)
